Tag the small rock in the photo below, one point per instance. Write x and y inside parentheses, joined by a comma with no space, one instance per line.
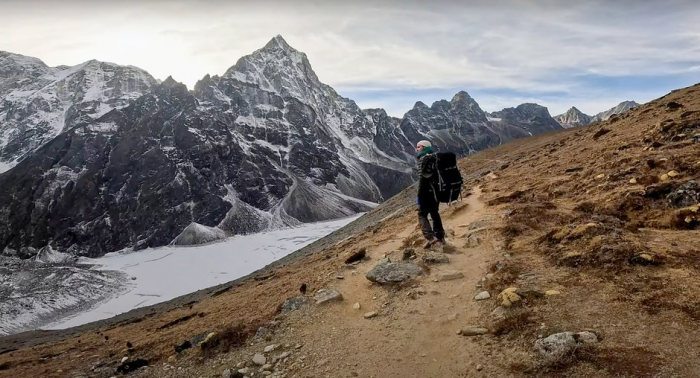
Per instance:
(298,346)
(293,304)
(172,359)
(244,371)
(482,295)
(370,314)
(259,359)
(600,176)
(240,365)
(673,174)
(473,240)
(435,258)
(450,275)
(129,366)
(633,181)
(267,367)
(356,306)
(340,277)
(270,348)
(508,297)
(266,373)
(125,359)
(226,373)
(284,355)
(664,177)
(552,292)
(355,256)
(473,331)
(558,345)
(673,105)
(479,368)
(327,295)
(499,313)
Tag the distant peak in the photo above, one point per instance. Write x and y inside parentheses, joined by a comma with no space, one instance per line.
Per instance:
(461,94)
(169,82)
(420,104)
(278,42)
(462,97)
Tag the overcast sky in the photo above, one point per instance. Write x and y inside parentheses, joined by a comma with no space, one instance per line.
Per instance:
(390,54)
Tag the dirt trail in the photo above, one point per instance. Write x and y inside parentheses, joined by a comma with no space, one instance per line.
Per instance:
(410,337)
(415,331)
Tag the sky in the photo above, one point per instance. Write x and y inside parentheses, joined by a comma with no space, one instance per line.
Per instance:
(389,54)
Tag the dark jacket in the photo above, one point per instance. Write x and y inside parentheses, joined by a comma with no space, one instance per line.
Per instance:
(427,177)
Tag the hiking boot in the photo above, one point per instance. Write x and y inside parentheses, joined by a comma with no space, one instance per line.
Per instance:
(430,242)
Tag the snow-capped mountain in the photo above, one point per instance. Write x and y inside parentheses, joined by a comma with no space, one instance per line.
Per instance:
(572,118)
(38,102)
(619,109)
(262,146)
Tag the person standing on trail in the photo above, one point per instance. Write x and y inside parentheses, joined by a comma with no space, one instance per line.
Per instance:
(427,198)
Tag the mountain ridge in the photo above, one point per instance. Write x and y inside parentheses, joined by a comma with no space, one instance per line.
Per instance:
(262,146)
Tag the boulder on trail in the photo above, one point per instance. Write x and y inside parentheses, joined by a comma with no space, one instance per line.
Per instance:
(387,272)
(355,256)
(327,295)
(432,258)
(450,275)
(473,331)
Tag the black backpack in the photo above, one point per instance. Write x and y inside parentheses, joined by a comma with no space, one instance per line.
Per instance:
(449,179)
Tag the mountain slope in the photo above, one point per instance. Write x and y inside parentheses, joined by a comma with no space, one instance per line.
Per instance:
(556,212)
(38,102)
(264,145)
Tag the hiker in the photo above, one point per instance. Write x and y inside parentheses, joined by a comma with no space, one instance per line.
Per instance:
(427,199)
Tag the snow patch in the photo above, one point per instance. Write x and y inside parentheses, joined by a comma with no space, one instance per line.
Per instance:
(161,274)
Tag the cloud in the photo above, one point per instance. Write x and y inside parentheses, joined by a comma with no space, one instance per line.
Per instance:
(554,52)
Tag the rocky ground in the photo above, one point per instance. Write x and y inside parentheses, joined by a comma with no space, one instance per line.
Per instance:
(35,293)
(575,256)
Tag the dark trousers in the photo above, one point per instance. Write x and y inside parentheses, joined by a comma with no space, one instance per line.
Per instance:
(430,206)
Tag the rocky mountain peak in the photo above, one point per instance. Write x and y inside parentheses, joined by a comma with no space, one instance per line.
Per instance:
(278,68)
(462,97)
(279,43)
(572,118)
(420,105)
